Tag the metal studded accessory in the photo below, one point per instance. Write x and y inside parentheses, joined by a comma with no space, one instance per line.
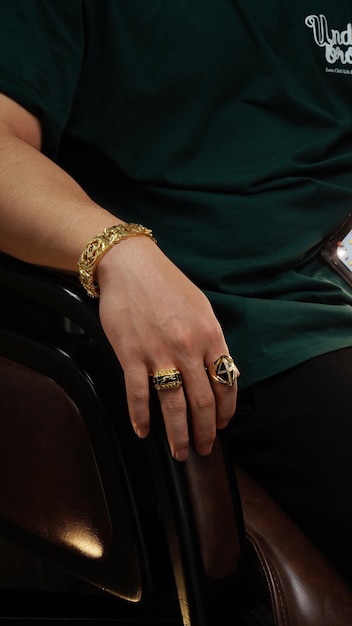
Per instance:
(223,370)
(97,247)
(167,379)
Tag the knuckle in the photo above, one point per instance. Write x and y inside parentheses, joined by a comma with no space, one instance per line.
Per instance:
(174,404)
(138,395)
(205,402)
(186,338)
(183,338)
(214,336)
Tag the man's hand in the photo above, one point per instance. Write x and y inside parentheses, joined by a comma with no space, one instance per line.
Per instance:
(156,319)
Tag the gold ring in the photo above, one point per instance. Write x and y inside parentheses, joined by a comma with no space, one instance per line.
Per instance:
(223,370)
(167,379)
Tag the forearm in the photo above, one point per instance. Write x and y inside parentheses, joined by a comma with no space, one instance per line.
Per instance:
(152,314)
(46,218)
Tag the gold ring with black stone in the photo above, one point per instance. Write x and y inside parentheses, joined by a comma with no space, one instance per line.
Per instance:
(167,379)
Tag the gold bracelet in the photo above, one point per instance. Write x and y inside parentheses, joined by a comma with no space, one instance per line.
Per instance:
(97,247)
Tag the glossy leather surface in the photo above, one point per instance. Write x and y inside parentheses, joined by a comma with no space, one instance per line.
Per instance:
(51,470)
(303,588)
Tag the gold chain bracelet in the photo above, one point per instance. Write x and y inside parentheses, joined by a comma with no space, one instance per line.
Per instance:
(97,247)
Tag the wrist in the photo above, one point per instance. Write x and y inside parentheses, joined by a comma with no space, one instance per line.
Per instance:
(97,247)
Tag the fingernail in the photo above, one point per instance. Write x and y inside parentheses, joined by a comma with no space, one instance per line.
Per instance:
(222,425)
(142,434)
(205,449)
(181,455)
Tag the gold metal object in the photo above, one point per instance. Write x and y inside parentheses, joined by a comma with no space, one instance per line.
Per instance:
(97,247)
(223,370)
(167,379)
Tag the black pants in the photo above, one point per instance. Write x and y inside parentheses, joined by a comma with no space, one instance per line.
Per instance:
(293,433)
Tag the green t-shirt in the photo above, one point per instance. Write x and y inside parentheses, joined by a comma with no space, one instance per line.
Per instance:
(224,126)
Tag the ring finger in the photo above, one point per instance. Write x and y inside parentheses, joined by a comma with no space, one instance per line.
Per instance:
(223,375)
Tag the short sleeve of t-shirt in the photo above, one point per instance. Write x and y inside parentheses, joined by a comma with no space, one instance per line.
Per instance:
(42,46)
(223,126)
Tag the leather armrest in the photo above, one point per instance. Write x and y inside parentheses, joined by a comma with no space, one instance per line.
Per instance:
(305,589)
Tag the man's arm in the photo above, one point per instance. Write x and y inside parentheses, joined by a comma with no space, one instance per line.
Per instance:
(153,315)
(46,218)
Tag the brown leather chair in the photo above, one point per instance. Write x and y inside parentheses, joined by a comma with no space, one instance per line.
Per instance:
(200,538)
